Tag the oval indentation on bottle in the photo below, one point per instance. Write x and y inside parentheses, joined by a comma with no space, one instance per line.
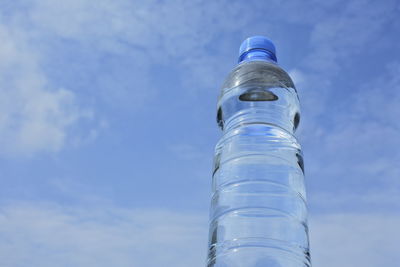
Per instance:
(258,95)
(296,120)
(300,161)
(217,161)
(220,121)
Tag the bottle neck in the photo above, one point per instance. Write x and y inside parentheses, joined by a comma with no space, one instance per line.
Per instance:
(258,54)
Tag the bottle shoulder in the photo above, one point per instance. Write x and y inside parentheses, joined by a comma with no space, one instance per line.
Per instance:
(257,72)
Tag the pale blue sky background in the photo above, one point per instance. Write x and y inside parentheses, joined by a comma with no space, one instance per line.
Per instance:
(107,126)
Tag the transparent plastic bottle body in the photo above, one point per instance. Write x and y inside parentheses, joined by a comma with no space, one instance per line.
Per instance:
(258,215)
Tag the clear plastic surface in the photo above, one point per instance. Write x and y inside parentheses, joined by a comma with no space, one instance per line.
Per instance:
(258,214)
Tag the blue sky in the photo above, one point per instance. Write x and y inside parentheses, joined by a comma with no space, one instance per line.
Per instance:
(107,126)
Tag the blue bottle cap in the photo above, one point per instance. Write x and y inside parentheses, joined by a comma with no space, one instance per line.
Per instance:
(257,48)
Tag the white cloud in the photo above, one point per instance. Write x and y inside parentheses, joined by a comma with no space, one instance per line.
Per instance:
(362,142)
(37,113)
(336,40)
(349,124)
(352,239)
(347,33)
(371,200)
(178,32)
(53,235)
(39,234)
(33,117)
(174,33)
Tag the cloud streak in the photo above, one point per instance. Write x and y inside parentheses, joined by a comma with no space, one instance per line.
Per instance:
(33,116)
(43,234)
(354,239)
(108,49)
(49,235)
(350,124)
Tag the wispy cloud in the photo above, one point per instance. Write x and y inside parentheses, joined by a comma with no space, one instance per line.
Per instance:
(107,52)
(58,58)
(355,239)
(33,116)
(40,234)
(349,125)
(357,154)
(123,42)
(342,35)
(53,235)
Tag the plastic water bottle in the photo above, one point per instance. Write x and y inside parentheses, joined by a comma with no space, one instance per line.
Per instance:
(258,215)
